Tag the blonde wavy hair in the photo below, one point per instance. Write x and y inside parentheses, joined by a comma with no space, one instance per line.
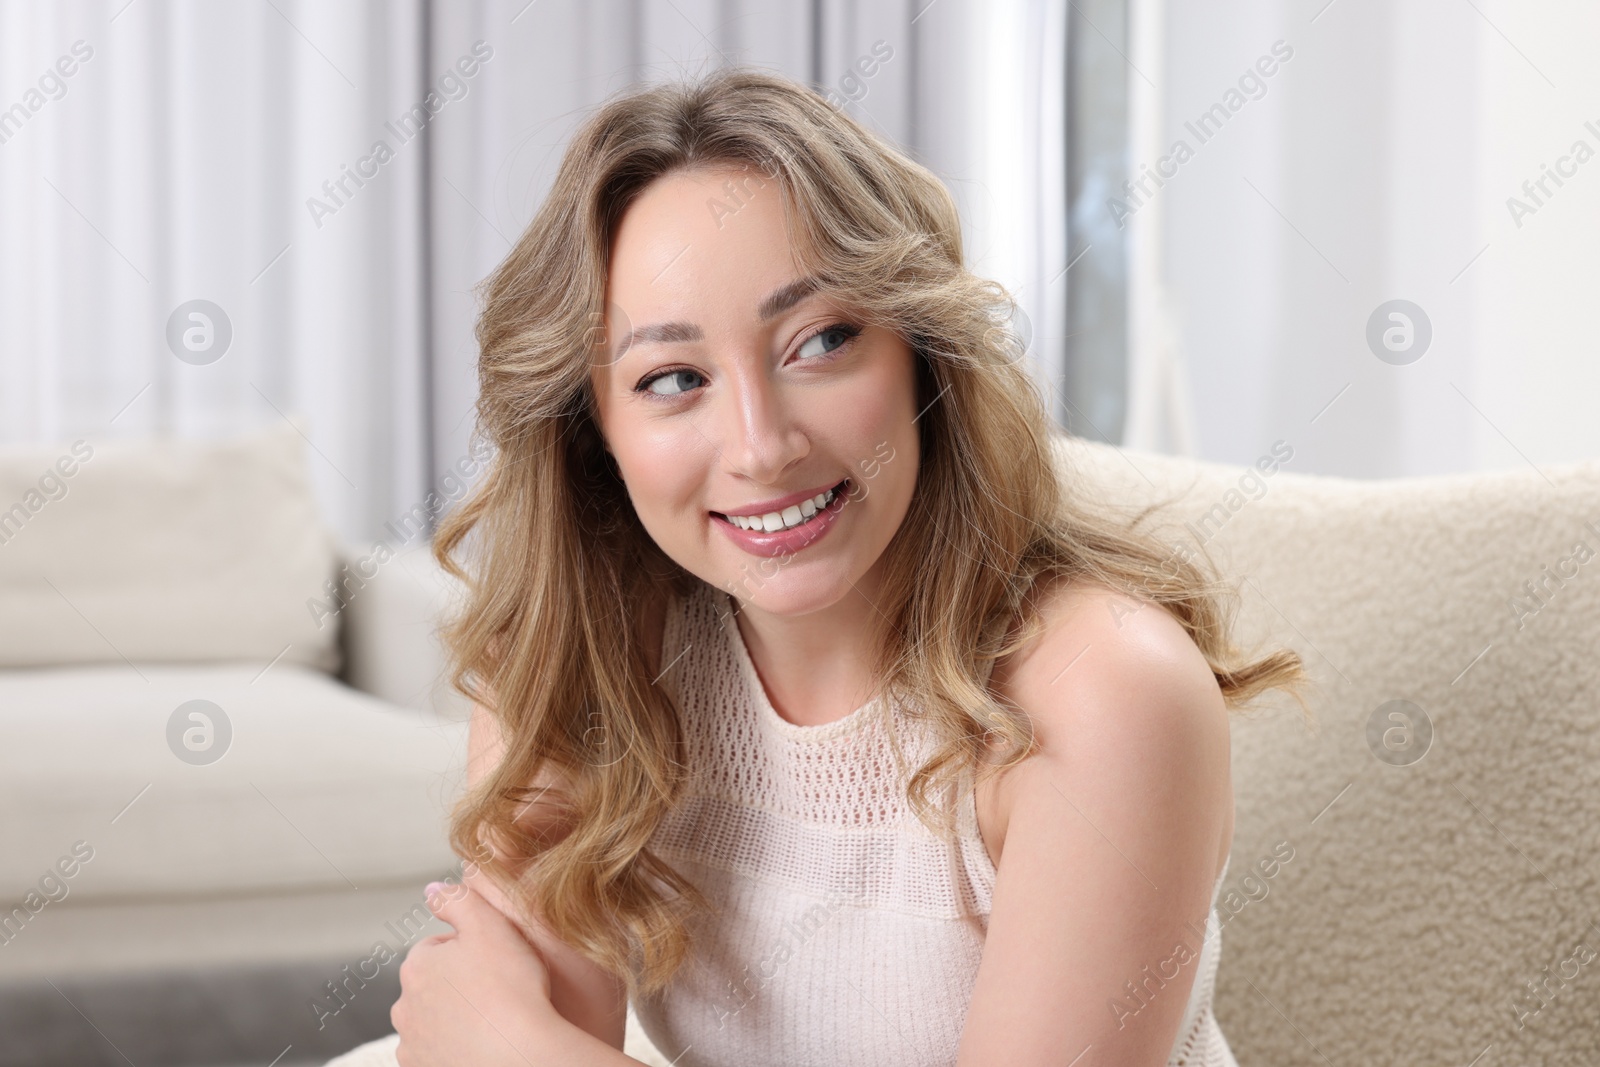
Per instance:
(550,636)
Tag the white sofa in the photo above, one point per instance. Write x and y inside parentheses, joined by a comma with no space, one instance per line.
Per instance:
(136,577)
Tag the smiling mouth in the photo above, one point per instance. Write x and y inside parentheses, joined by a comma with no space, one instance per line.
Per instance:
(790,518)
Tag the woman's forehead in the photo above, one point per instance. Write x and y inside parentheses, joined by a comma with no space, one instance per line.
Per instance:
(675,260)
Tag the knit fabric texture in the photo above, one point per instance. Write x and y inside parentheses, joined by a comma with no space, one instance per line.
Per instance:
(846,932)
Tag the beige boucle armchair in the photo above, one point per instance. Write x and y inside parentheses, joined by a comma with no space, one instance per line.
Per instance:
(1443,814)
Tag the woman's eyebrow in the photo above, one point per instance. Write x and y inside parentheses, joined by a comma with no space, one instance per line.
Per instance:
(787,296)
(774,304)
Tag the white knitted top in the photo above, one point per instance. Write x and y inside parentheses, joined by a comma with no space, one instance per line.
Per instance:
(849,933)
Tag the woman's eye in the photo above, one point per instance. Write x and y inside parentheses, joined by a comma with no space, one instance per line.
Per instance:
(840,335)
(673,376)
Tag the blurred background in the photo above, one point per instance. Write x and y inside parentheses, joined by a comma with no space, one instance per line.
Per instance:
(333,178)
(239,241)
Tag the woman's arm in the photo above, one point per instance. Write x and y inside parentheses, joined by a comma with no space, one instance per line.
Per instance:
(582,993)
(481,995)
(1114,831)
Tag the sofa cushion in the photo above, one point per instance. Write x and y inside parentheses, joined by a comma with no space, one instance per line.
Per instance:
(318,785)
(1395,896)
(163,551)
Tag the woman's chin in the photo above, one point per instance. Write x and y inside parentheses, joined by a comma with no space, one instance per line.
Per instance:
(801,592)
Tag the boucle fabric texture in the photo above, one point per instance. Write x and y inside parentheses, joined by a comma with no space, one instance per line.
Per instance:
(1435,911)
(848,932)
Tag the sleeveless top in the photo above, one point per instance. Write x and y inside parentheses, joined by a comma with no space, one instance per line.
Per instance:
(849,933)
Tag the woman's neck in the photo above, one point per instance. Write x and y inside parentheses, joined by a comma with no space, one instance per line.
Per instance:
(816,668)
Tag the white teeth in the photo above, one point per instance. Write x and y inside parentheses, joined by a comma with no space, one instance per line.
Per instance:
(789,517)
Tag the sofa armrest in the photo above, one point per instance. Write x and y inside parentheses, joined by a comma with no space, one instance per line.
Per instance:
(389,629)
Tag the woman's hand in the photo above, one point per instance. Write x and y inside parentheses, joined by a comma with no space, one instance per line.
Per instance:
(477,996)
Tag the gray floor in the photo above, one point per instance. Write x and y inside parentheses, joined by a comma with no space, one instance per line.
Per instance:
(188,1018)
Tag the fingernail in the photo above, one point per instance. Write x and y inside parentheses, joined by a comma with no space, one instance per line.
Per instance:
(432,888)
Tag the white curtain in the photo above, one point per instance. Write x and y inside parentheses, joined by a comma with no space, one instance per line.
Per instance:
(228,152)
(971,88)
(175,164)
(1160,416)
(1376,163)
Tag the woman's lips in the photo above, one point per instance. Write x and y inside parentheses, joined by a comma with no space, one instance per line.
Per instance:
(788,541)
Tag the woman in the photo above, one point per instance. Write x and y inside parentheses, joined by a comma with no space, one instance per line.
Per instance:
(813,716)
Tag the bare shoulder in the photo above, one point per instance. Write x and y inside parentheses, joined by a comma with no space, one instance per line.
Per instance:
(1114,830)
(1112,685)
(1097,642)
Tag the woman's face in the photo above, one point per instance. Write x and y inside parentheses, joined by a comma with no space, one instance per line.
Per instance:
(735,394)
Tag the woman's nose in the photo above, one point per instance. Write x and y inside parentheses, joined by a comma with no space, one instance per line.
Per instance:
(760,429)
